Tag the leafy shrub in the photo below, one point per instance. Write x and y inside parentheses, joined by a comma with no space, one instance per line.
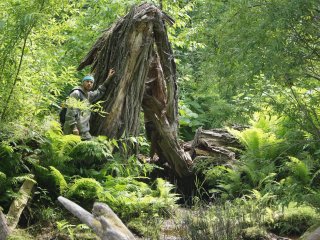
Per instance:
(294,219)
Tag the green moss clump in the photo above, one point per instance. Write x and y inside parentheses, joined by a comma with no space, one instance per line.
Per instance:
(59,179)
(85,190)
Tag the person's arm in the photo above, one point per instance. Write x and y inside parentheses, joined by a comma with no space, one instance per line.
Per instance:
(98,93)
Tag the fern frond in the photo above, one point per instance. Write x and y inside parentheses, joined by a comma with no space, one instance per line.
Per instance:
(300,171)
(85,189)
(22,178)
(59,179)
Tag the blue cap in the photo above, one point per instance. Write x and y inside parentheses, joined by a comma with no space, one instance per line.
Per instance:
(88,78)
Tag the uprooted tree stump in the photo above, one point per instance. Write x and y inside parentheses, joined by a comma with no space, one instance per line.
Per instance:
(137,47)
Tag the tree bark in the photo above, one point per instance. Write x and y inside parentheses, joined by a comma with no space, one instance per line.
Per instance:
(4,230)
(19,204)
(104,222)
(137,47)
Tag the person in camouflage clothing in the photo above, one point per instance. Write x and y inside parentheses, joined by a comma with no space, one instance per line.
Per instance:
(76,120)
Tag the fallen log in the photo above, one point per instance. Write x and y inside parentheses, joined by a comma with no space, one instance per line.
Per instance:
(215,143)
(10,221)
(103,221)
(4,230)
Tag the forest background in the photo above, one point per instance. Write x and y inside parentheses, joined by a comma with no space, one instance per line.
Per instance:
(239,62)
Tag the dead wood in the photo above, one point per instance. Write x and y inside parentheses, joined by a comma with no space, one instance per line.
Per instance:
(137,47)
(19,203)
(10,221)
(217,145)
(4,230)
(104,222)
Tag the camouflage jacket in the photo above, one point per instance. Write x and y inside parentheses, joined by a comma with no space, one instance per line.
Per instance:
(80,118)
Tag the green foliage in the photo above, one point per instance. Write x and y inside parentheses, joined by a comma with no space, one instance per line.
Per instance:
(3,179)
(86,153)
(226,181)
(47,214)
(227,220)
(131,198)
(72,231)
(299,171)
(85,190)
(294,219)
(260,140)
(131,167)
(11,159)
(57,147)
(46,180)
(59,179)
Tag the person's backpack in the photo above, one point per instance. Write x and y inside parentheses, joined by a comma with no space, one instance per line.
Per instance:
(63,110)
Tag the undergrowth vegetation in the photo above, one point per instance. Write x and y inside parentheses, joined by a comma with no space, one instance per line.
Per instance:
(85,172)
(235,60)
(270,189)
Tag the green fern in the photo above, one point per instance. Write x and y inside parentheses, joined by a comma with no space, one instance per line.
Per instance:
(259,144)
(85,190)
(86,153)
(21,178)
(164,191)
(10,159)
(126,167)
(45,179)
(300,171)
(59,179)
(131,198)
(57,147)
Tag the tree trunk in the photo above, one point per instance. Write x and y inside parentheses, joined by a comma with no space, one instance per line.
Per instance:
(137,47)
